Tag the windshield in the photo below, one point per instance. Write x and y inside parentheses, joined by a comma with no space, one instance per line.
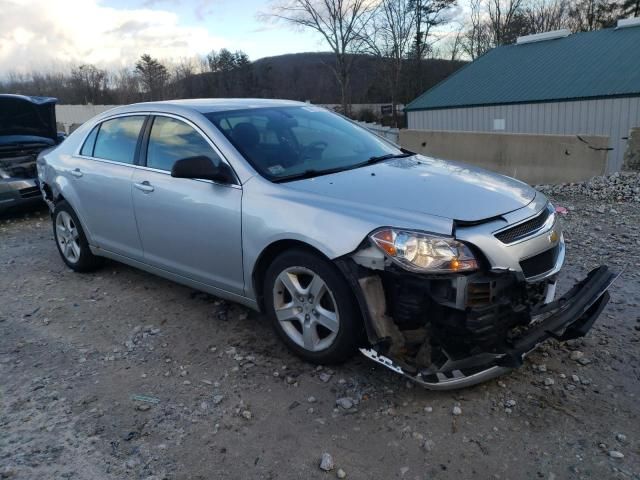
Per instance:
(290,142)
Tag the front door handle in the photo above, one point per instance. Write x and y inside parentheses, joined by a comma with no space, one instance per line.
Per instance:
(145,186)
(76,172)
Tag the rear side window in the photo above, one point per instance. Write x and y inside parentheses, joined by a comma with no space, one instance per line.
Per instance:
(87,148)
(117,139)
(172,140)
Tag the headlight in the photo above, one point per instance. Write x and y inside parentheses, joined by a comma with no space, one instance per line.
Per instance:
(422,252)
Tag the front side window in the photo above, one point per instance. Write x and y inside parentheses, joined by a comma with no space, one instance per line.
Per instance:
(117,139)
(171,139)
(284,142)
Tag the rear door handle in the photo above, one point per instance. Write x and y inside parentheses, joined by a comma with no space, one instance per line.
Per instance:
(145,186)
(76,172)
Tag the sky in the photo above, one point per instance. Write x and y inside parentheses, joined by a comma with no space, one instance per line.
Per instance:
(53,34)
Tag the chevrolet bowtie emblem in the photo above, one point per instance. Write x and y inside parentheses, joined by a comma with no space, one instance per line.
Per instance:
(553,237)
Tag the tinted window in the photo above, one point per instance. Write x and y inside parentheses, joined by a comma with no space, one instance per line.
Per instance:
(171,140)
(87,148)
(117,139)
(287,141)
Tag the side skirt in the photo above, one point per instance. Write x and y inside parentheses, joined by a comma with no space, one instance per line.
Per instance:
(233,297)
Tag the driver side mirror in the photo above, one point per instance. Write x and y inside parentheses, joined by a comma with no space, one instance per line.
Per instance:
(202,167)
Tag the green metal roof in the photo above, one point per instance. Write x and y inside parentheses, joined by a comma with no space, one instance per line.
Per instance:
(583,65)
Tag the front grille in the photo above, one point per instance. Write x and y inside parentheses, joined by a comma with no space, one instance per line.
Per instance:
(521,230)
(30,192)
(541,263)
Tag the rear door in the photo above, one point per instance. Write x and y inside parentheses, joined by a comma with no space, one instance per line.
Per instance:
(101,175)
(188,227)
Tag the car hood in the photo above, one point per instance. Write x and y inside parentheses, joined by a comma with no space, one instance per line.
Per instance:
(425,185)
(22,116)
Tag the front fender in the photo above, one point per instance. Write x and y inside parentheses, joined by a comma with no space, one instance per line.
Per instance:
(273,212)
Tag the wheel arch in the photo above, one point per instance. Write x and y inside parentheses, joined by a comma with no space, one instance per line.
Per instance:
(267,256)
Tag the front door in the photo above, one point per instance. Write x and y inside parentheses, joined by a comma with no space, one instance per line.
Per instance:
(188,227)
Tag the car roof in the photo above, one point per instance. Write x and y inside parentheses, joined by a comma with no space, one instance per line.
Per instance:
(208,105)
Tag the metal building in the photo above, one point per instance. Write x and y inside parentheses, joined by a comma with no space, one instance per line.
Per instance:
(552,83)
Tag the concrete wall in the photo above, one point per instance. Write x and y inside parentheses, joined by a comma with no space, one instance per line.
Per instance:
(611,117)
(70,117)
(386,132)
(535,159)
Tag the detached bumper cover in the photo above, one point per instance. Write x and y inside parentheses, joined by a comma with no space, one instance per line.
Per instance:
(569,317)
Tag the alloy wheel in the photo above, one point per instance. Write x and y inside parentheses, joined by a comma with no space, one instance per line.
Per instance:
(306,308)
(68,237)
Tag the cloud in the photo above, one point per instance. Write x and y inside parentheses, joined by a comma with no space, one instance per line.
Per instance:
(40,34)
(204,8)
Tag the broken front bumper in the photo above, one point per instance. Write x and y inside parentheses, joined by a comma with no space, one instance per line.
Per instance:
(569,317)
(15,192)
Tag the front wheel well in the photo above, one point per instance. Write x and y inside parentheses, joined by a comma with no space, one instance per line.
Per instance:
(267,256)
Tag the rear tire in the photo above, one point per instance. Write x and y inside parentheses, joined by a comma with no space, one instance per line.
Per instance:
(71,241)
(312,307)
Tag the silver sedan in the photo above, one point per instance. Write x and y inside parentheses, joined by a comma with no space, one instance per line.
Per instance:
(440,271)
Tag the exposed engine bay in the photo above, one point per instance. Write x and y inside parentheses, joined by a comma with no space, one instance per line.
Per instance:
(27,128)
(19,160)
(454,330)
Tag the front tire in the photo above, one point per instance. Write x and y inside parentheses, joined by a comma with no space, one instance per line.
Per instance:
(312,307)
(71,241)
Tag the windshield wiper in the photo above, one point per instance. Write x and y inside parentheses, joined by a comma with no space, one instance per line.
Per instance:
(307,174)
(382,158)
(316,173)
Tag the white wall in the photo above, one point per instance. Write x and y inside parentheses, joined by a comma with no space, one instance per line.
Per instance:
(68,115)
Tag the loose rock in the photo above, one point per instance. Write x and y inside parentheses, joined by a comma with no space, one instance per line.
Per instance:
(576,355)
(326,462)
(345,403)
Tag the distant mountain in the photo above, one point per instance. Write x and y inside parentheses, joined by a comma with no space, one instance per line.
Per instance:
(308,76)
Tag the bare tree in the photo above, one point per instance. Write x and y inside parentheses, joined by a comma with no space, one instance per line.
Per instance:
(631,8)
(453,45)
(589,15)
(340,22)
(503,15)
(547,15)
(389,37)
(89,83)
(478,39)
(125,86)
(182,73)
(428,15)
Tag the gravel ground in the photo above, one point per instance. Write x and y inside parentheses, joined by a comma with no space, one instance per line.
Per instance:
(123,375)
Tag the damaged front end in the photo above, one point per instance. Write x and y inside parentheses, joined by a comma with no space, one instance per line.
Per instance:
(464,326)
(27,128)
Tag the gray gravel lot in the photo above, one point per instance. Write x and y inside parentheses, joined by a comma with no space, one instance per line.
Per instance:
(119,374)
